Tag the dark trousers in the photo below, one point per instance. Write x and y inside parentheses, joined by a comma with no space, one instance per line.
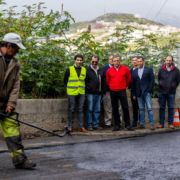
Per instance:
(170,98)
(115,97)
(135,111)
(11,132)
(72,101)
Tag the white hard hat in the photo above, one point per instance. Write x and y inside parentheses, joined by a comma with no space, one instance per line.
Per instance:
(14,38)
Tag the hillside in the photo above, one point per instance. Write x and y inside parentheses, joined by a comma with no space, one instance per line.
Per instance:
(110,17)
(123,18)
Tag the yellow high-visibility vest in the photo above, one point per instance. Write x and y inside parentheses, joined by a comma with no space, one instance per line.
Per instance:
(76,85)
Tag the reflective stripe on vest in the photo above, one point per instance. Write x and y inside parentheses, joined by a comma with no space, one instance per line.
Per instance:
(76,85)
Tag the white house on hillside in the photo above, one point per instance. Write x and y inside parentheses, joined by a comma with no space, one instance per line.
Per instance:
(117,22)
(137,16)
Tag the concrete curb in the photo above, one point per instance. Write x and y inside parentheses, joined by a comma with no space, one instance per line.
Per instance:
(43,142)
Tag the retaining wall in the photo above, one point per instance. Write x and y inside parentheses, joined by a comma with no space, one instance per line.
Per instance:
(51,114)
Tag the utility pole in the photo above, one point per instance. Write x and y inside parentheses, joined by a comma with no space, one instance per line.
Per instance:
(143,28)
(104,9)
(178,66)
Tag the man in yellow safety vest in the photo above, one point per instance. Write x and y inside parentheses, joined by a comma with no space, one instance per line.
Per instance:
(74,80)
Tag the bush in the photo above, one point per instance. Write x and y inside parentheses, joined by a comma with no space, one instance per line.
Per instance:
(43,63)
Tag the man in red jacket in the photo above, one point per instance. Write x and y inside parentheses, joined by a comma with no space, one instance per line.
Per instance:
(119,78)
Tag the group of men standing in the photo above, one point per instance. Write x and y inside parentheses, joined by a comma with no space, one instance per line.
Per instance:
(92,83)
(109,84)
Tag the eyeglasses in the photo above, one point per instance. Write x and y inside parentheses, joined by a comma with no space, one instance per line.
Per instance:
(94,62)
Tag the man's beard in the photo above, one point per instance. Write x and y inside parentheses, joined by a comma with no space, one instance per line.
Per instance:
(8,56)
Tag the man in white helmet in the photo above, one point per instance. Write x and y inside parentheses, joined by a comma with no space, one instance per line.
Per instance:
(9,91)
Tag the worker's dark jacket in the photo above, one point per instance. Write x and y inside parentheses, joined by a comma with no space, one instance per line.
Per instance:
(9,82)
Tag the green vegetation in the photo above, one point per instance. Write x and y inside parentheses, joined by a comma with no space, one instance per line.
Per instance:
(95,34)
(175,34)
(79,25)
(42,66)
(43,63)
(105,38)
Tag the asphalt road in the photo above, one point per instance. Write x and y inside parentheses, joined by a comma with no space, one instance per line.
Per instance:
(153,157)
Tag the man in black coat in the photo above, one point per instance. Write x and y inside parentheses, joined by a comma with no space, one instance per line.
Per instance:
(95,88)
(134,101)
(168,81)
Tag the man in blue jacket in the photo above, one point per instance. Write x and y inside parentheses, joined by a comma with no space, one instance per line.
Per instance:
(142,86)
(168,81)
(135,105)
(107,99)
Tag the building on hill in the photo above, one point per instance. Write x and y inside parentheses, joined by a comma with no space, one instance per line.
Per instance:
(112,26)
(135,24)
(172,28)
(117,23)
(107,23)
(97,26)
(81,30)
(138,16)
(104,23)
(99,22)
(145,26)
(154,27)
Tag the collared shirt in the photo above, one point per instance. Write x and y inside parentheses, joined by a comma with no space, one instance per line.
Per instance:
(110,66)
(140,72)
(168,69)
(117,68)
(95,70)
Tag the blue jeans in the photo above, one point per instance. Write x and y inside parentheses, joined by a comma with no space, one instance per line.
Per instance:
(142,100)
(93,102)
(162,103)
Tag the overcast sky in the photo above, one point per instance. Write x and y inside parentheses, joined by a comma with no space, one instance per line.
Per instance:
(85,10)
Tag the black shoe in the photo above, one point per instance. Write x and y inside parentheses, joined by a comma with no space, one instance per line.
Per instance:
(122,127)
(90,129)
(116,128)
(134,125)
(26,165)
(129,128)
(98,128)
(107,126)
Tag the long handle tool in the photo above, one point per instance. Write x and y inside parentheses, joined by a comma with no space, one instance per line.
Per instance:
(66,129)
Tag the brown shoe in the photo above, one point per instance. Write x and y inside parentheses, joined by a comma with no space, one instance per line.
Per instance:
(82,130)
(152,127)
(141,126)
(70,128)
(171,126)
(160,126)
